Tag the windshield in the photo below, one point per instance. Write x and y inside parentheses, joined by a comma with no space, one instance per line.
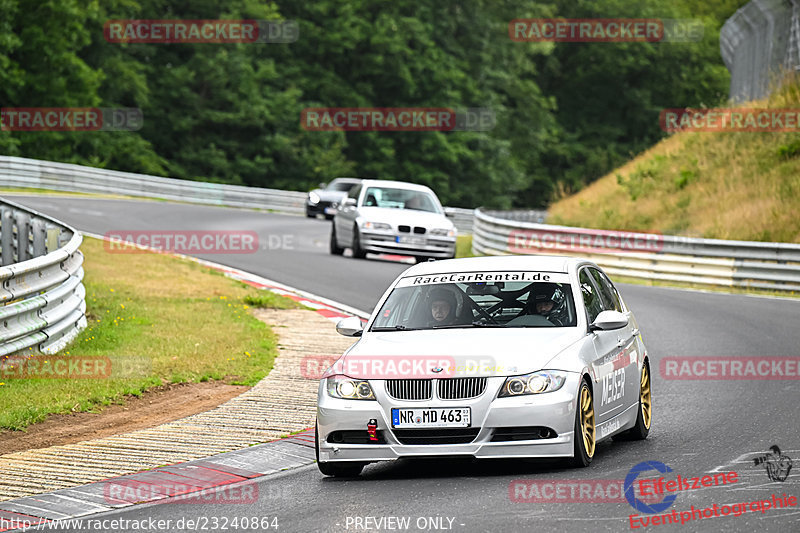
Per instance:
(419,303)
(341,186)
(400,198)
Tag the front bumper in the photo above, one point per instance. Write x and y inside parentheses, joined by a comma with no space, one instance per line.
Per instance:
(321,208)
(554,410)
(388,243)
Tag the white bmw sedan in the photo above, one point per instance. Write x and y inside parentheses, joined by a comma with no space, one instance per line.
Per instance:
(393,217)
(491,357)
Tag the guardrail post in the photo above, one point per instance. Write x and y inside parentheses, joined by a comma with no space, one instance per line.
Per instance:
(22,222)
(7,235)
(38,228)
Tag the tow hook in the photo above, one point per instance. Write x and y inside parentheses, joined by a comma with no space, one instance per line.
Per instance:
(372,430)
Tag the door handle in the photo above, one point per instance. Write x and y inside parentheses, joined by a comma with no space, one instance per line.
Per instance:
(621,343)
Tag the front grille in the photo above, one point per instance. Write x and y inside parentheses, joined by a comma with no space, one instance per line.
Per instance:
(409,389)
(523,433)
(436,436)
(404,229)
(461,388)
(419,229)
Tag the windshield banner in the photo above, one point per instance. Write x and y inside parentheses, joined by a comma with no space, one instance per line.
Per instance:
(484,277)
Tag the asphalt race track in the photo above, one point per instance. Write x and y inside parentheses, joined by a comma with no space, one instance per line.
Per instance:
(698,426)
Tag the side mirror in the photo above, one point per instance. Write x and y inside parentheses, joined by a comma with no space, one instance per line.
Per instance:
(449,212)
(322,185)
(349,202)
(609,320)
(350,327)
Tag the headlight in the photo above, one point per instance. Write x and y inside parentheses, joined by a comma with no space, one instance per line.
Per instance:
(313,197)
(349,389)
(443,232)
(535,383)
(376,226)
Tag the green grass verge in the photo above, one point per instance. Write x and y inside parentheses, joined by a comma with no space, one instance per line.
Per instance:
(464,246)
(160,320)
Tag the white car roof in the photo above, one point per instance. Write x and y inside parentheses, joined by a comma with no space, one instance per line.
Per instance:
(396,185)
(542,263)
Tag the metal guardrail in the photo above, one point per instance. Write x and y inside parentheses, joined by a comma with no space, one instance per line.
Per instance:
(42,298)
(762,265)
(33,173)
(759,44)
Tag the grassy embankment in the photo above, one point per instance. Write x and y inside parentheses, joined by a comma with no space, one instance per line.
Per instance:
(743,186)
(162,320)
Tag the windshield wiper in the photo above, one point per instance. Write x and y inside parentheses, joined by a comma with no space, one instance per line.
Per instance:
(473,325)
(399,327)
(479,324)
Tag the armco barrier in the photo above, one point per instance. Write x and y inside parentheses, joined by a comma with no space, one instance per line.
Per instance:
(33,173)
(762,265)
(759,44)
(42,299)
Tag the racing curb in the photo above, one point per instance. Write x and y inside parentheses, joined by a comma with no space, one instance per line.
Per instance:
(200,476)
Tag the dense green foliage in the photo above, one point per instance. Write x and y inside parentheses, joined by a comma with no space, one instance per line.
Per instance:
(566,113)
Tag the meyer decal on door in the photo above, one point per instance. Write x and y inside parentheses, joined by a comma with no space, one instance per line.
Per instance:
(613,386)
(431,418)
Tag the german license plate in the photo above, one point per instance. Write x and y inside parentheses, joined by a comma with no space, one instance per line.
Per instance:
(458,417)
(407,239)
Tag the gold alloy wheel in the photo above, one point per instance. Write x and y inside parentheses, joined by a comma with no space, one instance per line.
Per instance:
(587,420)
(644,397)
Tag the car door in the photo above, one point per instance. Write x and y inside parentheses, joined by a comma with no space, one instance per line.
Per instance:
(608,381)
(626,340)
(345,218)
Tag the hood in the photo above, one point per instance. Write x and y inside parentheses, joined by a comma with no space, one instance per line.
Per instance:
(410,217)
(330,196)
(459,352)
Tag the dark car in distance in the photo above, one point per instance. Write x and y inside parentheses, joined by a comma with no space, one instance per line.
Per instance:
(326,199)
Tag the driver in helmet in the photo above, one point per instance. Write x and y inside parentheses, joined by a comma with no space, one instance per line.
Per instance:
(543,300)
(442,307)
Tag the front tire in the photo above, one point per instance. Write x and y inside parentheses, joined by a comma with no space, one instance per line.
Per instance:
(335,469)
(584,436)
(334,247)
(358,252)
